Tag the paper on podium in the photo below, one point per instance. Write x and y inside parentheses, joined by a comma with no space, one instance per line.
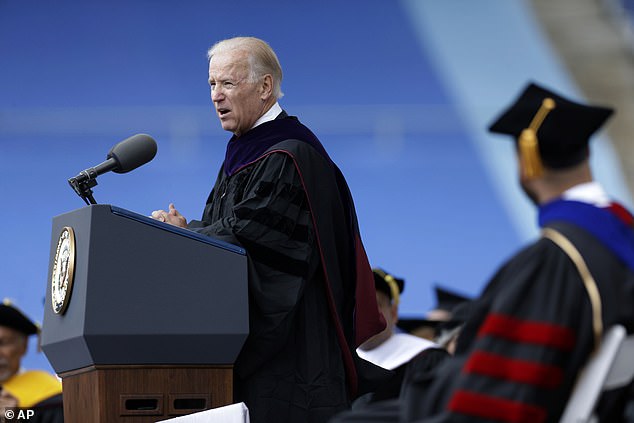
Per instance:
(233,413)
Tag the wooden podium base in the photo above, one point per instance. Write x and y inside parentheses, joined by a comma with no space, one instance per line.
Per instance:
(139,394)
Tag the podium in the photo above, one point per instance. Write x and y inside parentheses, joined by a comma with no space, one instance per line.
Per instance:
(143,320)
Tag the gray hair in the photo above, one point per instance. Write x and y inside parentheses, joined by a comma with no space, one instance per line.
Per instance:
(261,57)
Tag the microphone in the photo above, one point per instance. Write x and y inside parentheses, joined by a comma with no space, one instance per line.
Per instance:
(122,158)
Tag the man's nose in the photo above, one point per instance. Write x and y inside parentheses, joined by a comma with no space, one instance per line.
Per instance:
(217,94)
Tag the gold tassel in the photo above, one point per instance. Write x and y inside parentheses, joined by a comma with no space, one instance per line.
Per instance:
(529,144)
(529,155)
(391,283)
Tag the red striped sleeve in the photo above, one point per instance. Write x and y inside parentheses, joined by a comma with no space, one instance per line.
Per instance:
(527,331)
(493,408)
(522,371)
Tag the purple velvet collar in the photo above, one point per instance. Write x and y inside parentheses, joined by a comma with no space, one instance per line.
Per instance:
(249,147)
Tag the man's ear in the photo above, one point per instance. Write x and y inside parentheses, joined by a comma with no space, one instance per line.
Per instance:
(266,87)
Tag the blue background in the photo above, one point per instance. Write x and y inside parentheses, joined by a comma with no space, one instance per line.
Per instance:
(399,92)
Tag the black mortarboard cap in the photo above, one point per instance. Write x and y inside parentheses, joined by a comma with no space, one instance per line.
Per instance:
(565,131)
(382,283)
(459,315)
(447,300)
(13,318)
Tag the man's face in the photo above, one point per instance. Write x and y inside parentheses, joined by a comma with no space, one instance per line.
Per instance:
(12,348)
(238,102)
(388,309)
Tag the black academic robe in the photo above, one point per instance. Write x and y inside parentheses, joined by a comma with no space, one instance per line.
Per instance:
(531,331)
(288,206)
(50,410)
(422,362)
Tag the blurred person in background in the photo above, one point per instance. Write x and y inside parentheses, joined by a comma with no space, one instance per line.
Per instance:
(448,331)
(544,313)
(428,326)
(391,349)
(34,390)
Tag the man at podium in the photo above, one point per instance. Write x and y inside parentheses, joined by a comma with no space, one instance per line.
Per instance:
(311,289)
(36,392)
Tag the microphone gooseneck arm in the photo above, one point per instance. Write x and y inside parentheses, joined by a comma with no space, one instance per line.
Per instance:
(87,179)
(123,157)
(84,189)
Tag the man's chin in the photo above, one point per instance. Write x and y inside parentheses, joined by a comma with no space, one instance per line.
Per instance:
(227,125)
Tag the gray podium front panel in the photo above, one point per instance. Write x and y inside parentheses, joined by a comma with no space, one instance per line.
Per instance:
(145,293)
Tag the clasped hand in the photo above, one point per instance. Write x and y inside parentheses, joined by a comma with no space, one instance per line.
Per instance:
(173,217)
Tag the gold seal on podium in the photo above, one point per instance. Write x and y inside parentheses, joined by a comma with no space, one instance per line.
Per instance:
(63,270)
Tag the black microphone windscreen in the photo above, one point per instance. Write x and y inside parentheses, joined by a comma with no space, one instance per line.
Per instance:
(133,152)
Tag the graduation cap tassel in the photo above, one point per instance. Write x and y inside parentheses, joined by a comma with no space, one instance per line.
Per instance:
(391,282)
(529,145)
(529,154)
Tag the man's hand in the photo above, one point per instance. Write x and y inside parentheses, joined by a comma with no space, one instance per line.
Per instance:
(173,217)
